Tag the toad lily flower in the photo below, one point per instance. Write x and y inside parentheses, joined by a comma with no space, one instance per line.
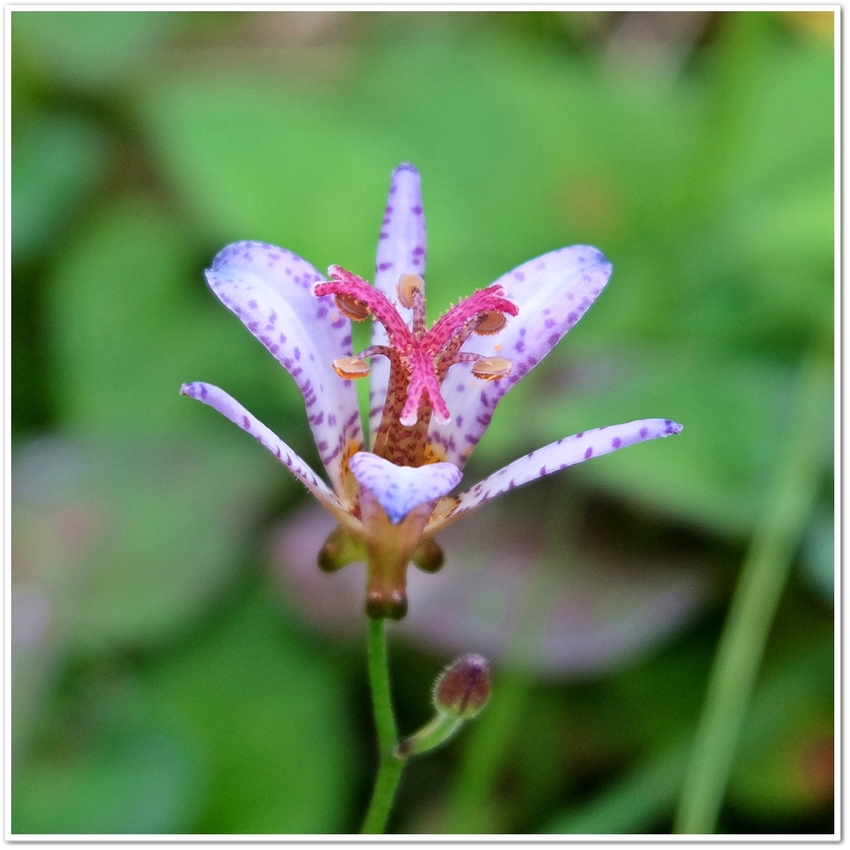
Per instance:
(433,390)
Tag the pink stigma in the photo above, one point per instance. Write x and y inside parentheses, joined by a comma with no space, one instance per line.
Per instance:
(419,357)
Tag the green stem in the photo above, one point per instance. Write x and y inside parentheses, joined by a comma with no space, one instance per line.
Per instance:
(762,579)
(389,767)
(433,734)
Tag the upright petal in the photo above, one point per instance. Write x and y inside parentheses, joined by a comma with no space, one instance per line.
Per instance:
(554,457)
(270,290)
(400,489)
(219,400)
(552,293)
(401,250)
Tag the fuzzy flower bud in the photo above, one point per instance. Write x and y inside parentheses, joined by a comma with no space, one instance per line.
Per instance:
(463,688)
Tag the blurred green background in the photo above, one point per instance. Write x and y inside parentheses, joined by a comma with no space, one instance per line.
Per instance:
(169,674)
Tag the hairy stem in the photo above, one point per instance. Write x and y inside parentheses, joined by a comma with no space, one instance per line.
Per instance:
(389,767)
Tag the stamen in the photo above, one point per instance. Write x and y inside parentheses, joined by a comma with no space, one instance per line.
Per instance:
(491,322)
(352,307)
(408,285)
(351,368)
(490,368)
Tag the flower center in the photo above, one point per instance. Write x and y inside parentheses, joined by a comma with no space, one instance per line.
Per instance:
(419,356)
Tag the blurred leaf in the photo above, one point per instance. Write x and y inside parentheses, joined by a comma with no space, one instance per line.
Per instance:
(818,557)
(266,711)
(126,331)
(127,542)
(138,779)
(55,161)
(236,145)
(91,49)
(507,140)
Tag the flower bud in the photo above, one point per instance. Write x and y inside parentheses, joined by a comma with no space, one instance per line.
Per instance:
(463,688)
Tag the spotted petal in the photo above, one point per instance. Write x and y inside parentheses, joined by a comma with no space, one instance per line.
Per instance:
(552,293)
(219,400)
(401,250)
(400,489)
(557,456)
(270,290)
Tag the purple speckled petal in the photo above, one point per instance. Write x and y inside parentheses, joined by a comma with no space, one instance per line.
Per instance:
(401,250)
(270,290)
(219,400)
(557,456)
(400,489)
(552,293)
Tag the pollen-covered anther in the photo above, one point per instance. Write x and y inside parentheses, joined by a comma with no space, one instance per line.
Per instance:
(352,307)
(491,322)
(408,286)
(351,368)
(490,368)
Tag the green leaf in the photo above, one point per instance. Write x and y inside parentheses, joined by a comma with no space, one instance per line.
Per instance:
(137,779)
(126,330)
(266,712)
(56,159)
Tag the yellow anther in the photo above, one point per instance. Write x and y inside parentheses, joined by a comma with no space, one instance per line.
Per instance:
(490,368)
(351,368)
(491,322)
(352,307)
(408,285)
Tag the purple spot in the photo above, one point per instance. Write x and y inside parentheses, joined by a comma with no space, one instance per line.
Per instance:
(382,267)
(553,339)
(588,453)
(253,304)
(297,354)
(246,423)
(644,432)
(616,442)
(519,276)
(418,250)
(384,235)
(417,210)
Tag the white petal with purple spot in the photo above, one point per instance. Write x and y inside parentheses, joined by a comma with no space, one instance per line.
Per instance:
(219,400)
(400,489)
(270,290)
(552,293)
(559,455)
(401,250)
